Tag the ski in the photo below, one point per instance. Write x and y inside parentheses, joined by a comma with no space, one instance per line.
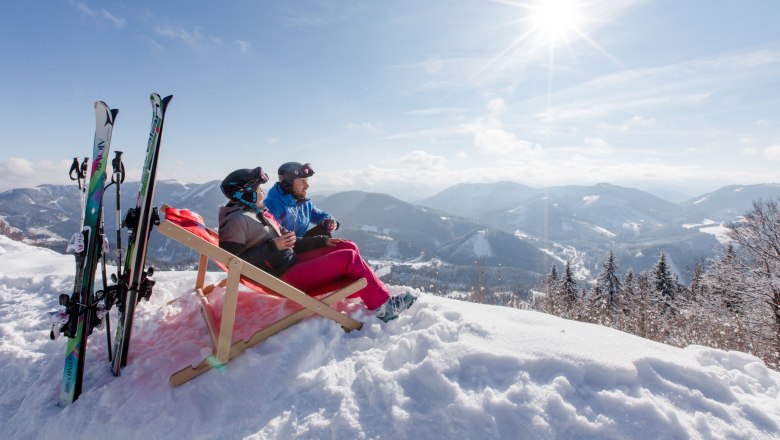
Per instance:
(81,316)
(135,282)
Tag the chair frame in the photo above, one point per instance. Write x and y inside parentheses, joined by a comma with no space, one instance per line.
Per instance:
(223,347)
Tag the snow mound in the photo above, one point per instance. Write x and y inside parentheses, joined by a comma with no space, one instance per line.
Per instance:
(444,369)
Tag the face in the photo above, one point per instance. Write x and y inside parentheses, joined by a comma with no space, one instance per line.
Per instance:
(300,187)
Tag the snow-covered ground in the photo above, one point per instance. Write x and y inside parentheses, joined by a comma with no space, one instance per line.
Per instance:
(445,369)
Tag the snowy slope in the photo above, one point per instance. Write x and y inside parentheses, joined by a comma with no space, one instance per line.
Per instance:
(446,369)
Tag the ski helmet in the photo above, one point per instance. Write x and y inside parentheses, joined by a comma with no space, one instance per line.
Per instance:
(241,185)
(293,170)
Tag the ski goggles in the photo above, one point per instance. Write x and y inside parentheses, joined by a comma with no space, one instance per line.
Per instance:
(260,177)
(304,171)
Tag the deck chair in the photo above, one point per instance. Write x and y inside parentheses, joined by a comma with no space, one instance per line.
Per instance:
(189,229)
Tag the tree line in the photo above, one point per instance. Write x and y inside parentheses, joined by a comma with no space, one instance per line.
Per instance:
(732,302)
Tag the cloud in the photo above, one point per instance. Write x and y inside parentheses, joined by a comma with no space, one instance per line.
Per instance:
(434,111)
(591,147)
(364,126)
(490,137)
(98,15)
(749,151)
(194,38)
(243,46)
(17,172)
(421,160)
(496,106)
(197,40)
(638,122)
(433,65)
(772,152)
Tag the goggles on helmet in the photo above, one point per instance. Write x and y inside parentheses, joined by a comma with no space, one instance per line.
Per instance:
(295,170)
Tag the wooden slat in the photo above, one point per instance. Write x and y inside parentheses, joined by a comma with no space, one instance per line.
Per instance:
(190,372)
(222,347)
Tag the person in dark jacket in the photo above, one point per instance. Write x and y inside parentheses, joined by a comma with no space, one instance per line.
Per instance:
(288,203)
(251,232)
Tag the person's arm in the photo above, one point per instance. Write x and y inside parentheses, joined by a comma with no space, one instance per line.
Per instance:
(233,247)
(319,217)
(306,244)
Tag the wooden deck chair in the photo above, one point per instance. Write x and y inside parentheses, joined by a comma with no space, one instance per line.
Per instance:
(189,229)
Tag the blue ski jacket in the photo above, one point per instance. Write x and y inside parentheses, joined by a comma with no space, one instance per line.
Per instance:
(294,215)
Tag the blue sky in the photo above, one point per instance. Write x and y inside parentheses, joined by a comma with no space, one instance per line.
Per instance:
(405,97)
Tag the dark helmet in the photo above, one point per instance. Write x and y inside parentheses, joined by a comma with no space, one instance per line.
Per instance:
(290,171)
(243,181)
(295,170)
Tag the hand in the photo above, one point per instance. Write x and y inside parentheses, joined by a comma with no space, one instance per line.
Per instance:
(285,241)
(329,224)
(334,241)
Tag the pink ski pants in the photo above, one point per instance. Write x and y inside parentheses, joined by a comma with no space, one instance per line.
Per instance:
(328,264)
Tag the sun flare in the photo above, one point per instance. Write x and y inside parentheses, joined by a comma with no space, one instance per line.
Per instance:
(555,20)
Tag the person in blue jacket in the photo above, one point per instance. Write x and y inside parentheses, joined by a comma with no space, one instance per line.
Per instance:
(287,201)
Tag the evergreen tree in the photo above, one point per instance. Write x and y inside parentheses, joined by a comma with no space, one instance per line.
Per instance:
(664,285)
(609,283)
(569,285)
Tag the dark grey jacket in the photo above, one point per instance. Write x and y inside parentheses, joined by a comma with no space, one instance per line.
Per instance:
(249,235)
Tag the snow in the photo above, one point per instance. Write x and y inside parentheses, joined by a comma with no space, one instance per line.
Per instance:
(590,199)
(716,229)
(444,369)
(481,245)
(603,231)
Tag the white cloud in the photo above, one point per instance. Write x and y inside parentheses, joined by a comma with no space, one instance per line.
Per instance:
(16,172)
(749,151)
(496,106)
(490,137)
(772,152)
(98,15)
(638,122)
(433,65)
(591,147)
(194,38)
(434,111)
(243,46)
(363,126)
(421,160)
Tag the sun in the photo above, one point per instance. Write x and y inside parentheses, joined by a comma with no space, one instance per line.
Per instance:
(556,20)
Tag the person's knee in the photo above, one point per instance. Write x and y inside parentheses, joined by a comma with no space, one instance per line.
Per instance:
(350,245)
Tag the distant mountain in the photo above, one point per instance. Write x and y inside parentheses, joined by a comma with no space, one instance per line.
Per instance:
(472,200)
(49,215)
(503,223)
(598,213)
(383,226)
(588,221)
(386,227)
(727,203)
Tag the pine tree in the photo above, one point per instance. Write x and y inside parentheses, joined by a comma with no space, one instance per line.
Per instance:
(664,285)
(569,285)
(609,283)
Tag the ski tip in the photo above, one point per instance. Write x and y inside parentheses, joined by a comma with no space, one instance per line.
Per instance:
(156,99)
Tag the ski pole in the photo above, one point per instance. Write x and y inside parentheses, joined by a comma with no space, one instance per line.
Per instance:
(118,177)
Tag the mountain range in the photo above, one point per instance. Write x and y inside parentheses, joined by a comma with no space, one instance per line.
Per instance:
(502,224)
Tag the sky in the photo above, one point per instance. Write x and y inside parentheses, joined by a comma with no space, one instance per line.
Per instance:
(403,97)
(444,369)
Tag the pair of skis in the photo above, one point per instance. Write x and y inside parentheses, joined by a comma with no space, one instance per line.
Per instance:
(85,308)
